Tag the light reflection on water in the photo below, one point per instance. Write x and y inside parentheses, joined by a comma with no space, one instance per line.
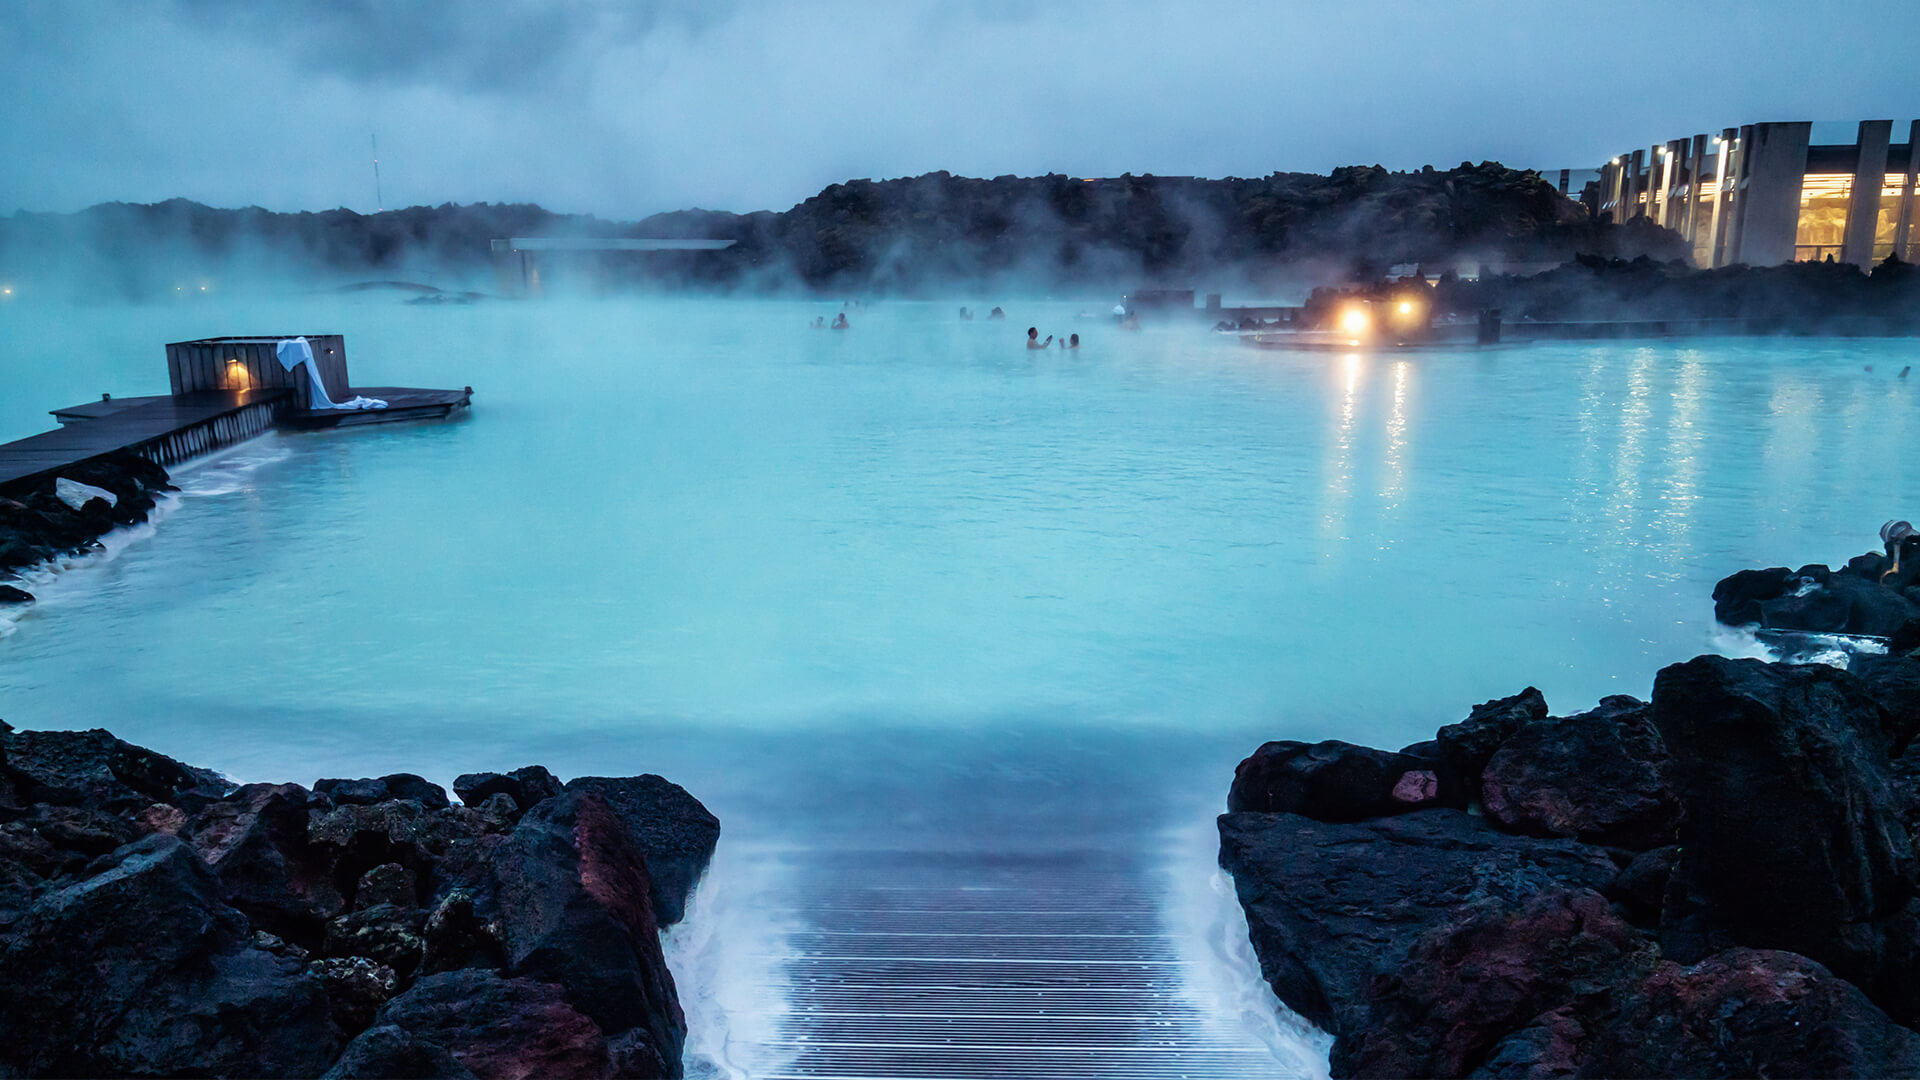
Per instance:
(912,581)
(664,515)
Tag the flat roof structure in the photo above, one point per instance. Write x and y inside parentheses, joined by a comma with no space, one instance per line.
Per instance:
(527,251)
(1765,194)
(597,243)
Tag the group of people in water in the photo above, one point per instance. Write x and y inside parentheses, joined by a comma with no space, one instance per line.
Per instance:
(1034,341)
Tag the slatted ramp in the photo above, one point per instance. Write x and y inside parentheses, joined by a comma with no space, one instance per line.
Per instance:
(995,966)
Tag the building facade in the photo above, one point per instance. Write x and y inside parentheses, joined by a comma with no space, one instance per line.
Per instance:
(1765,194)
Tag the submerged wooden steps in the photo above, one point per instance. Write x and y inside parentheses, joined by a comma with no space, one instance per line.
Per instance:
(915,964)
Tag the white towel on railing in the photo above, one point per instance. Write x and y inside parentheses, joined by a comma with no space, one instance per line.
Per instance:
(294,352)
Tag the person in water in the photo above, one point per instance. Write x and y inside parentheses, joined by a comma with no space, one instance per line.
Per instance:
(840,321)
(965,315)
(1033,338)
(819,322)
(1073,342)
(996,313)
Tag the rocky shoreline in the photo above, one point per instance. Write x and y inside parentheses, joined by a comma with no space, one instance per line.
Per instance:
(1716,882)
(158,919)
(57,516)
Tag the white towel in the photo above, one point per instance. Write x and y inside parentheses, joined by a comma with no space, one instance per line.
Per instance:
(294,352)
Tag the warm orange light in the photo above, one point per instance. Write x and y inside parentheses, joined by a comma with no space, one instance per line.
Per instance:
(1406,307)
(238,378)
(1354,320)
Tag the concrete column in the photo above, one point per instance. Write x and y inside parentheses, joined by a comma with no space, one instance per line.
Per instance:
(1656,183)
(1659,180)
(1696,185)
(1863,209)
(1903,231)
(1723,175)
(1776,167)
(1636,183)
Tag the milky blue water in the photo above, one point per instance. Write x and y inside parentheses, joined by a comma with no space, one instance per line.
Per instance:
(912,581)
(704,539)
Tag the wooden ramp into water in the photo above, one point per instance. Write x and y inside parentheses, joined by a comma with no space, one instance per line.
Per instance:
(992,966)
(166,430)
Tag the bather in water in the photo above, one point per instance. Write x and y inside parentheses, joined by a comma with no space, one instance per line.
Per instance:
(1033,338)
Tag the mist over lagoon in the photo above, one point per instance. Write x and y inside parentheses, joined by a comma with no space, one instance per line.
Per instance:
(746,540)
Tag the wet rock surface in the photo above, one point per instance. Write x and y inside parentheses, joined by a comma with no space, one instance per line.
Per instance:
(37,524)
(1717,882)
(157,919)
(1873,595)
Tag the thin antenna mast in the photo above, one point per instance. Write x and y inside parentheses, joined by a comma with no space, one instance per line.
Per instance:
(379,200)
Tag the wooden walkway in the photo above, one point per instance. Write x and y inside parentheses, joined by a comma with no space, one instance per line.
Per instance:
(403,403)
(166,430)
(925,965)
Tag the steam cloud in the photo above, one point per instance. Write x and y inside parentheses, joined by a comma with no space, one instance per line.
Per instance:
(628,109)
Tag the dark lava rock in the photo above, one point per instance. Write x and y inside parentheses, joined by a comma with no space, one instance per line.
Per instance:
(497,813)
(408,786)
(257,843)
(1748,1012)
(1737,597)
(458,936)
(368,791)
(383,933)
(1816,600)
(11,595)
(388,883)
(390,1052)
(675,832)
(35,525)
(526,786)
(82,831)
(1894,682)
(362,792)
(359,838)
(575,909)
(92,768)
(1466,747)
(1641,887)
(1792,839)
(1331,907)
(1472,983)
(1334,781)
(1601,777)
(490,1025)
(356,989)
(154,923)
(141,968)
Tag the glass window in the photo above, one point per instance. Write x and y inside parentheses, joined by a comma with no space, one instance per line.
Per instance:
(1889,217)
(1823,216)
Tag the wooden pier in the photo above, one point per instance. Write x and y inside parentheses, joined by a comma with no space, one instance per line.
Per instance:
(225,391)
(164,430)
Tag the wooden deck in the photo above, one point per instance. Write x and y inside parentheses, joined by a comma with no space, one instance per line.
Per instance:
(403,403)
(166,430)
(172,428)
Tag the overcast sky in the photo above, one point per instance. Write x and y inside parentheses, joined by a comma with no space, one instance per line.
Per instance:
(623,109)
